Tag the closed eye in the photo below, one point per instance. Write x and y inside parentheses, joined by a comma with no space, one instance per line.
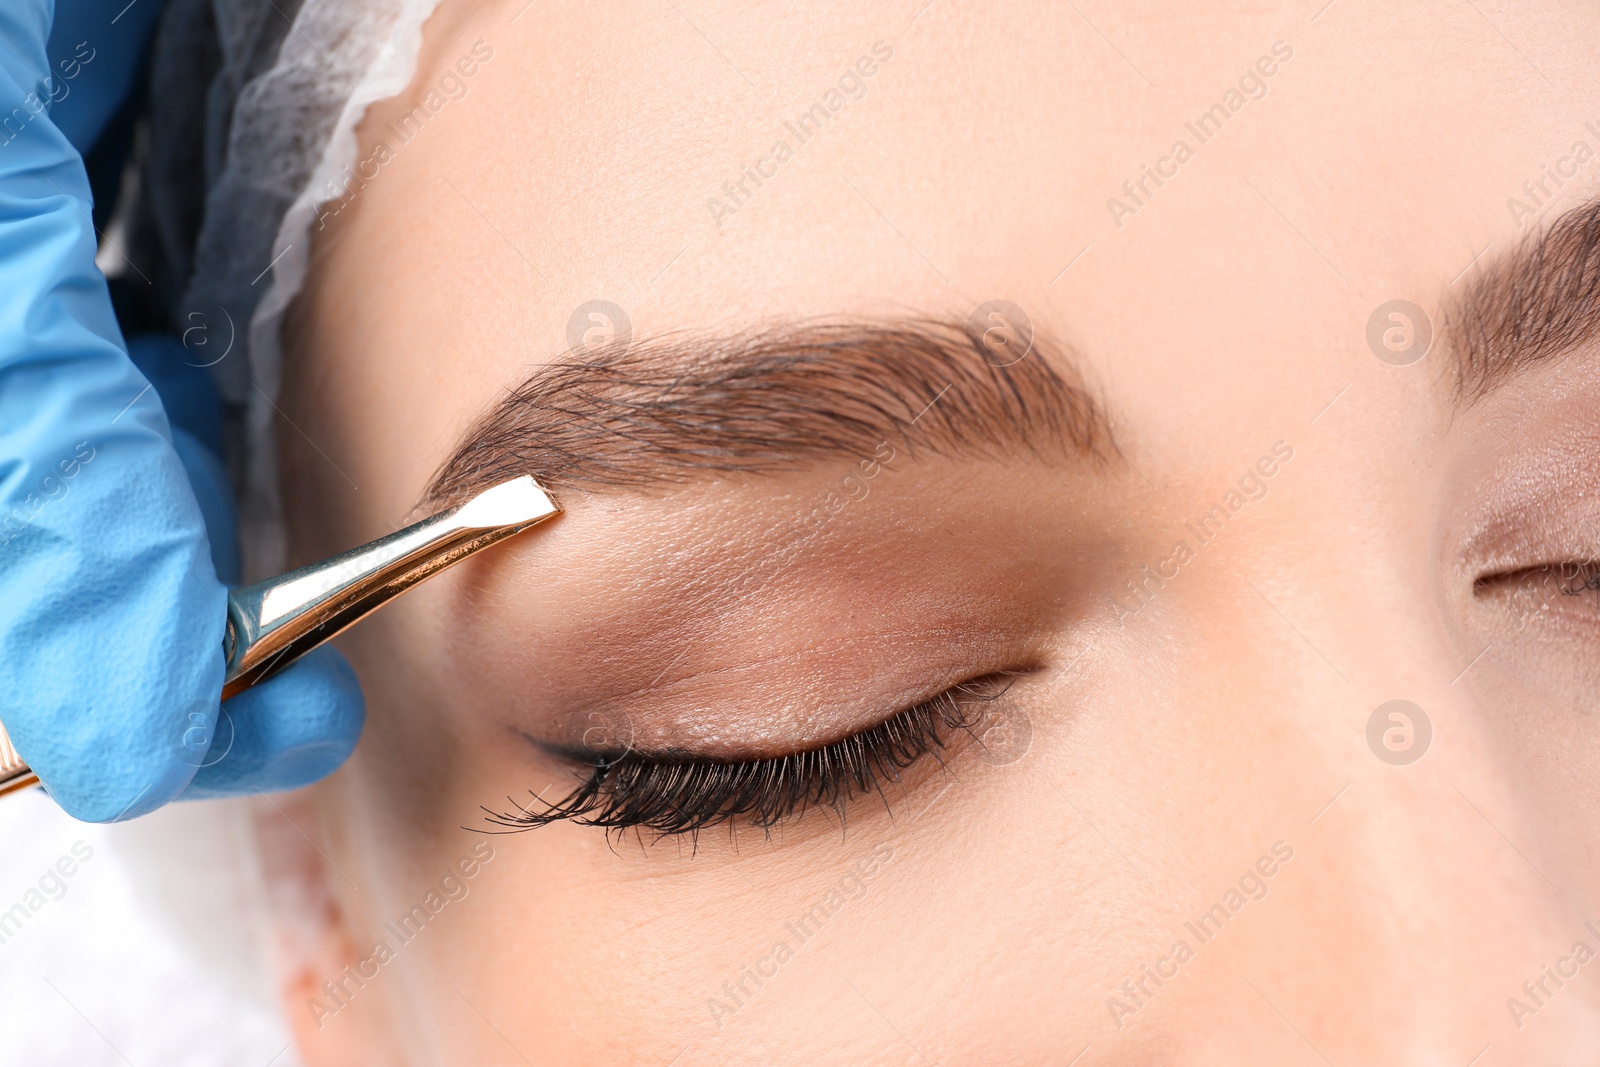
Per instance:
(1568,578)
(1565,595)
(673,793)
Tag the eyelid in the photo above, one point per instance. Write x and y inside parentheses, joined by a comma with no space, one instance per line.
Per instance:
(675,794)
(744,712)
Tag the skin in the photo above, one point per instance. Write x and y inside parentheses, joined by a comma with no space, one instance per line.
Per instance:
(1171,749)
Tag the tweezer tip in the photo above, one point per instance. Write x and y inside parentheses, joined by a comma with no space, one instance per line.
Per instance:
(519,500)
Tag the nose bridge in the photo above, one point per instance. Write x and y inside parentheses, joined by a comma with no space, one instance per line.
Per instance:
(1438,911)
(1433,787)
(1429,890)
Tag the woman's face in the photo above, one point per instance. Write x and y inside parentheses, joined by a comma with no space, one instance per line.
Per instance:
(1172,529)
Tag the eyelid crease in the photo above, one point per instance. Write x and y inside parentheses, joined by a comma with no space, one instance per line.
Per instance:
(843,643)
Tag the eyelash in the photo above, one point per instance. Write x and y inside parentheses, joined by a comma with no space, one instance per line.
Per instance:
(1579,578)
(1569,579)
(671,795)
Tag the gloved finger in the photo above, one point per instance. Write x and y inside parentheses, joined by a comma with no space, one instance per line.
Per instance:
(209,479)
(111,625)
(291,730)
(111,617)
(177,370)
(194,411)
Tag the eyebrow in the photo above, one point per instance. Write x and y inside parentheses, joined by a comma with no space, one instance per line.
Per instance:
(1536,303)
(684,406)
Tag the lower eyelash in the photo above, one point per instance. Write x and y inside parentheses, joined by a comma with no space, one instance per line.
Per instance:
(670,795)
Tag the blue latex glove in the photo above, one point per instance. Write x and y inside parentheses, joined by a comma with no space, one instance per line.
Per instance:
(93,62)
(111,611)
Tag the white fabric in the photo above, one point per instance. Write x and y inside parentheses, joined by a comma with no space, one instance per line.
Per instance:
(149,951)
(291,148)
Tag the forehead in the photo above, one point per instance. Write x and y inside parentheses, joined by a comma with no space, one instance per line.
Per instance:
(1208,207)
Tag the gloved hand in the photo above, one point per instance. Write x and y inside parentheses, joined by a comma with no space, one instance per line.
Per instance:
(111,611)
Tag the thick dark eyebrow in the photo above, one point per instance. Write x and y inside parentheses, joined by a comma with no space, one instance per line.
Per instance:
(683,406)
(1538,302)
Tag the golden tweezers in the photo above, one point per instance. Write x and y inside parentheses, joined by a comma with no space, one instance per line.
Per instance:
(273,623)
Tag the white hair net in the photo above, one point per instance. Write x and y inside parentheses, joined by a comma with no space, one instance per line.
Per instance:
(254,110)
